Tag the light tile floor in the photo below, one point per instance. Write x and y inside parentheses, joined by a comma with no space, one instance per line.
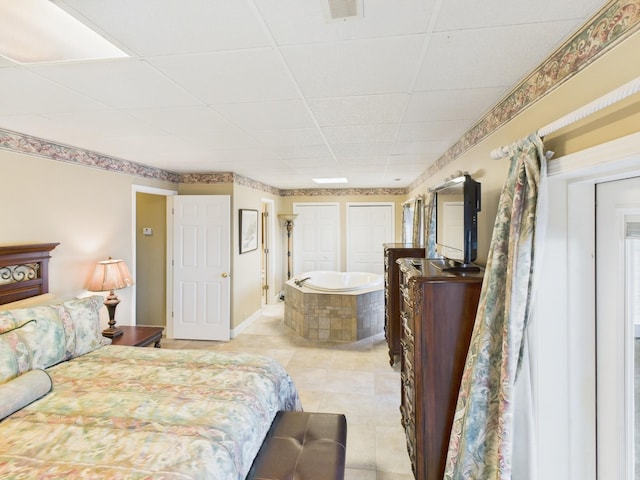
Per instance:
(351,378)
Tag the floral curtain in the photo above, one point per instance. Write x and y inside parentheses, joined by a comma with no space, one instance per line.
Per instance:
(430,226)
(416,237)
(495,386)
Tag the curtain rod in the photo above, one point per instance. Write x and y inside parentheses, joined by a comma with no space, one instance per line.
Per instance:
(604,101)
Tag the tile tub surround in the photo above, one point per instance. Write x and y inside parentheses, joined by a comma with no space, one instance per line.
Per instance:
(345,316)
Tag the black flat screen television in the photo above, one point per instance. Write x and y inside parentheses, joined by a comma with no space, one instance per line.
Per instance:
(457,203)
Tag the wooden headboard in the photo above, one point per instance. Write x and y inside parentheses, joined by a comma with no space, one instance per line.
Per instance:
(24,271)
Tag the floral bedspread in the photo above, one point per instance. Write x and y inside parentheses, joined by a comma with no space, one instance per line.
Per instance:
(145,413)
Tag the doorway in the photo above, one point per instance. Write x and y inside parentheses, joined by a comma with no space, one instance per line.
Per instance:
(618,312)
(564,326)
(149,256)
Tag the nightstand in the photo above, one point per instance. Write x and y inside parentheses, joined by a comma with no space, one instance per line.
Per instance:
(135,336)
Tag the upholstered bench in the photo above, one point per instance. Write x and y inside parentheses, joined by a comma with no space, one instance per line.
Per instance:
(302,445)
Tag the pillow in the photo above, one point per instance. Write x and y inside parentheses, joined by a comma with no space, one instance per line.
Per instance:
(22,391)
(48,342)
(83,314)
(39,337)
(15,351)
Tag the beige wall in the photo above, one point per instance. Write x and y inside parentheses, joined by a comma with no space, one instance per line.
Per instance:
(87,210)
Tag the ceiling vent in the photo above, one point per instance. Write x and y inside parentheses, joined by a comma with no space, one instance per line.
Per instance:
(341,10)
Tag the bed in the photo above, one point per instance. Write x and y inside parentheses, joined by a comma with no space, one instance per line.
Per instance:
(77,407)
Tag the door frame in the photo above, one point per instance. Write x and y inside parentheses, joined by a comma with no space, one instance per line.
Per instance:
(135,189)
(271,244)
(563,318)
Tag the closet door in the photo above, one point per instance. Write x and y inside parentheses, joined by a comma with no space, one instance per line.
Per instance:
(369,227)
(316,237)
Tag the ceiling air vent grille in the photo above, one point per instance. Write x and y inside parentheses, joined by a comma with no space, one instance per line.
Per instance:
(336,10)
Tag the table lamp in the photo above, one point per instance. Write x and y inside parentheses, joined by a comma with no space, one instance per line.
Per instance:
(110,275)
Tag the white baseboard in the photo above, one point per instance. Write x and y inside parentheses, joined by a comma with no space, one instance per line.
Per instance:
(245,324)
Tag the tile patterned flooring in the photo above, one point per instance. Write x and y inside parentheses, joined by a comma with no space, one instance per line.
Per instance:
(351,378)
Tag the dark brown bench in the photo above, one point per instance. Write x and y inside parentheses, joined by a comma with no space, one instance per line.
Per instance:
(310,446)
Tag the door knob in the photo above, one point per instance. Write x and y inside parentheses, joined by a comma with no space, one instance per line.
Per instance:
(225,274)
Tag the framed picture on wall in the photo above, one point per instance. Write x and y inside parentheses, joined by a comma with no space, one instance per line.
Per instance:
(248,230)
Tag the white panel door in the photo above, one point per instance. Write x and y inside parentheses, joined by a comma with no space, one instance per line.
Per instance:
(369,226)
(618,271)
(316,237)
(201,262)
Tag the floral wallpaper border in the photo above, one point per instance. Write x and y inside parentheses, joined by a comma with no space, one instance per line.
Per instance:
(21,143)
(612,24)
(318,192)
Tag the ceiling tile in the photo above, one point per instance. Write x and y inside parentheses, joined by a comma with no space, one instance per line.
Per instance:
(355,67)
(37,126)
(127,83)
(298,137)
(359,110)
(167,27)
(107,123)
(31,93)
(468,14)
(360,162)
(467,104)
(201,123)
(238,156)
(142,146)
(454,59)
(296,22)
(286,114)
(231,77)
(420,148)
(362,149)
(361,134)
(432,131)
(306,151)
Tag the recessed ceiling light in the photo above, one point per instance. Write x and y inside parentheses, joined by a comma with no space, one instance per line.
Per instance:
(36,31)
(330,180)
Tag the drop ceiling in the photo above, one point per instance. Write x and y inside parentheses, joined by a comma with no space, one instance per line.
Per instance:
(273,91)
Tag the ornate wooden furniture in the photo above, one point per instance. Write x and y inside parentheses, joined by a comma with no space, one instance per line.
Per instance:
(139,336)
(24,271)
(438,311)
(392,327)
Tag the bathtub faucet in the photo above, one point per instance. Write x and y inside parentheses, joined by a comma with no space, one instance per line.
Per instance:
(299,282)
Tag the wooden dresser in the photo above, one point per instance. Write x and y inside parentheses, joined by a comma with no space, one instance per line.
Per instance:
(438,311)
(392,326)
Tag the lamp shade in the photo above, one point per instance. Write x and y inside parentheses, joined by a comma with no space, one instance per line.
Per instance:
(110,275)
(287,217)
